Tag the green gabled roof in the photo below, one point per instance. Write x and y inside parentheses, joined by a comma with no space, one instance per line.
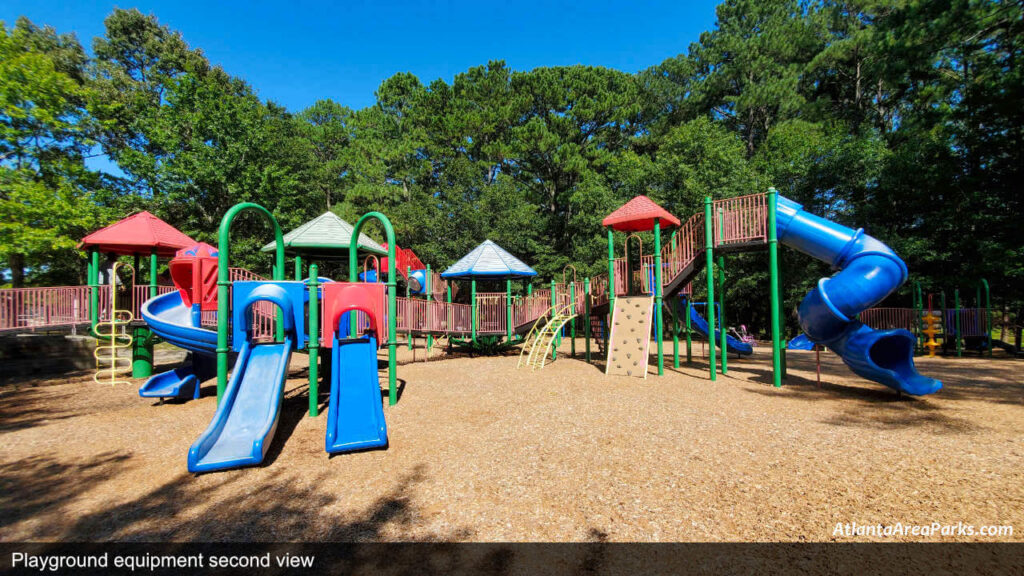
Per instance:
(326,236)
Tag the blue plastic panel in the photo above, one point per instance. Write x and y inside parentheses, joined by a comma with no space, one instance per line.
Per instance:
(289,296)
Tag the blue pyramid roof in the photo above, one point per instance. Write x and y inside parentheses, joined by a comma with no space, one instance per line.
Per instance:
(488,260)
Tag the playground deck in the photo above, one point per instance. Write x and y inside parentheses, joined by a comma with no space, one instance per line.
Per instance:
(480,451)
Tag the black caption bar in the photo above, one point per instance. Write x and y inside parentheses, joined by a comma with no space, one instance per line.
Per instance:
(257,559)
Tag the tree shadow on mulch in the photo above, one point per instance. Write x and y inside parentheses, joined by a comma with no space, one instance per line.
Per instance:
(39,483)
(184,509)
(29,407)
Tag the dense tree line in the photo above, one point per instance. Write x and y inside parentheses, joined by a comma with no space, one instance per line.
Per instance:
(901,117)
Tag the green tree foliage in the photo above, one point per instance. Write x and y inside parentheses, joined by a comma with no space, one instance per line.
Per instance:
(47,197)
(900,117)
(193,140)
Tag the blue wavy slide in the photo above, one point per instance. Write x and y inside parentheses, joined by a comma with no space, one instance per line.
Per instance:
(247,415)
(246,418)
(869,271)
(698,323)
(355,417)
(169,318)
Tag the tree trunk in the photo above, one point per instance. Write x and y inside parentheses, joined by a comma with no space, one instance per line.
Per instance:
(17,265)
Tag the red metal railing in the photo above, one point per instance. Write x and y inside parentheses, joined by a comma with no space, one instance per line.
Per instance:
(890,318)
(741,220)
(36,308)
(417,315)
(491,314)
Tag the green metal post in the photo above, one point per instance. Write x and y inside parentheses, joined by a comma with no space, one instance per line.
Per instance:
(956,322)
(94,291)
(298,267)
(152,274)
(142,352)
(709,254)
(353,276)
(659,326)
(314,340)
(773,266)
(472,316)
(223,283)
(279,273)
(529,289)
(572,323)
(611,273)
(430,298)
(586,321)
(472,299)
(508,309)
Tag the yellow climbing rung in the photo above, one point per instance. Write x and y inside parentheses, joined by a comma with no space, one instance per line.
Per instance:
(109,365)
(542,336)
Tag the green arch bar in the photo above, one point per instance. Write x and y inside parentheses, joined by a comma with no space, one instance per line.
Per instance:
(353,275)
(224,282)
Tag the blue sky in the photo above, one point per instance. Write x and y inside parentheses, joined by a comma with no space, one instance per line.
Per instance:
(295,53)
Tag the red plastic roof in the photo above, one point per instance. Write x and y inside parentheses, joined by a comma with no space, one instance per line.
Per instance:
(138,234)
(638,215)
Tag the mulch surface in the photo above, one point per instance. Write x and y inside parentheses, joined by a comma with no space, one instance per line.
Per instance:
(481,451)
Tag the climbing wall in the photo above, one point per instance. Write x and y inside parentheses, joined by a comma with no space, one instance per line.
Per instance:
(630,336)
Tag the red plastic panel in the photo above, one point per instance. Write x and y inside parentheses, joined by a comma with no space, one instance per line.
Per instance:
(342,297)
(206,284)
(182,274)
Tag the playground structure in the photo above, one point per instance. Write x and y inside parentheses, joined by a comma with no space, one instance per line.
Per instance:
(227,316)
(957,329)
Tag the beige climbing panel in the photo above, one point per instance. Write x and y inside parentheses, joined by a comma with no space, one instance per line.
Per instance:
(630,337)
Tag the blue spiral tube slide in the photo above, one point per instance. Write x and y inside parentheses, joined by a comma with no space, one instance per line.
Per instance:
(869,271)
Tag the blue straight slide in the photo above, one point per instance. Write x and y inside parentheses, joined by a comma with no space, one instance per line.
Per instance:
(169,318)
(355,417)
(869,271)
(698,323)
(246,418)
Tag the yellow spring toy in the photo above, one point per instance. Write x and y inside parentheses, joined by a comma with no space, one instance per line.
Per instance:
(111,366)
(931,322)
